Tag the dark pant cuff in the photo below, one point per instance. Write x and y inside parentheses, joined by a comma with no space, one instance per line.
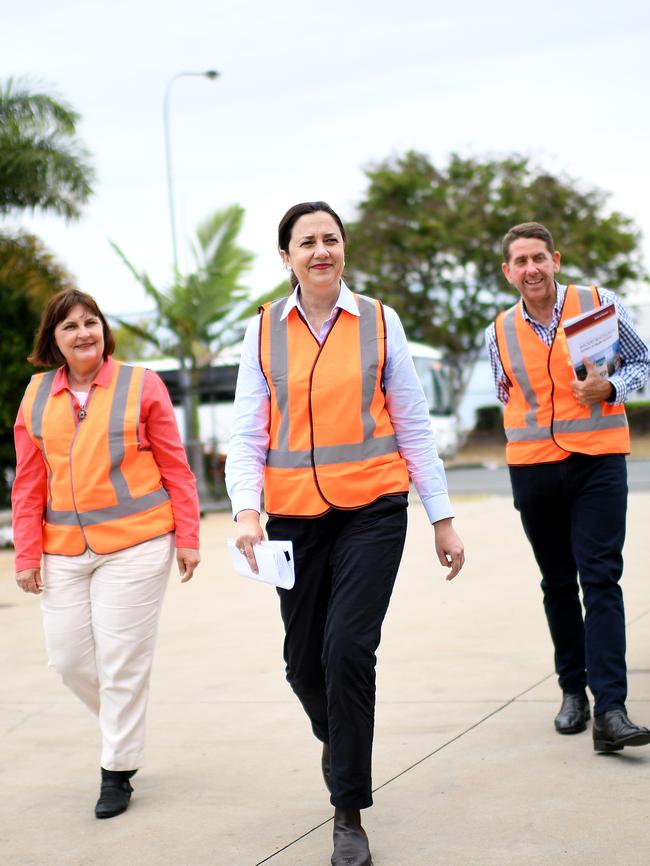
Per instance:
(351,803)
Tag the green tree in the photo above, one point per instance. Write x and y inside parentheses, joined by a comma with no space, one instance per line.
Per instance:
(42,163)
(427,241)
(29,276)
(43,167)
(201,313)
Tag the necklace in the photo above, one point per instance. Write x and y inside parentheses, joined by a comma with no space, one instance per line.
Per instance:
(82,403)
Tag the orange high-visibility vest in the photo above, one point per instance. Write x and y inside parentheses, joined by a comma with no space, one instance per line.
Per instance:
(104,491)
(543,421)
(332,443)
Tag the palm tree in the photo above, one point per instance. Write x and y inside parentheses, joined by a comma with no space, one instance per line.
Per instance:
(42,164)
(201,313)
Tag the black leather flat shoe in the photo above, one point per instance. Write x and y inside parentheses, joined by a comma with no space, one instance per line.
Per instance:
(574,714)
(115,793)
(350,840)
(613,731)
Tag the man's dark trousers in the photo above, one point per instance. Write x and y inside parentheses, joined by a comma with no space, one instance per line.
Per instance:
(573,513)
(346,562)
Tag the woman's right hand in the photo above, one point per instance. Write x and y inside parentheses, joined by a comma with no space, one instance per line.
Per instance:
(248,533)
(29,580)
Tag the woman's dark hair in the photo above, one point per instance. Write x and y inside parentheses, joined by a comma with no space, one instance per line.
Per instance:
(45,352)
(285,229)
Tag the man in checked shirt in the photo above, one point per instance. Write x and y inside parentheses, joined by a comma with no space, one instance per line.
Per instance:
(566,447)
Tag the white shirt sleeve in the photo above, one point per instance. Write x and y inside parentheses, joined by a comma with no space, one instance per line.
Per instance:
(409,414)
(249,441)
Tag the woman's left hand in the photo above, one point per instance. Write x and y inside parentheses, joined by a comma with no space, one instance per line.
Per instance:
(187,559)
(449,547)
(30,580)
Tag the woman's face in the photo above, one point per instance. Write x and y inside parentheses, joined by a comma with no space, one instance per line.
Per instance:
(80,339)
(316,251)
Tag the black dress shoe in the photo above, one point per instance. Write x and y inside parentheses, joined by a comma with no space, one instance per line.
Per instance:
(350,840)
(115,793)
(574,714)
(325,766)
(613,731)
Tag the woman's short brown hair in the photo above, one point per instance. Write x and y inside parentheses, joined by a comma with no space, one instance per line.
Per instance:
(45,352)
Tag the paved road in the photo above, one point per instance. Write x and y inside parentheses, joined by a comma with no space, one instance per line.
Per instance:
(468,769)
(496,481)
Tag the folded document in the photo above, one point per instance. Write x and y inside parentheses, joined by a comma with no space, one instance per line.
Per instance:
(274,561)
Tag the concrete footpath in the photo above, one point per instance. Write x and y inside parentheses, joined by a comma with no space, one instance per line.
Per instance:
(468,768)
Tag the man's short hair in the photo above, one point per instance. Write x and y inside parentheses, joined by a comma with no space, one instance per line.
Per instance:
(526,230)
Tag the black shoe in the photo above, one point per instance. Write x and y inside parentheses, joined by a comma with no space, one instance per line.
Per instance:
(574,714)
(613,731)
(115,793)
(350,840)
(325,766)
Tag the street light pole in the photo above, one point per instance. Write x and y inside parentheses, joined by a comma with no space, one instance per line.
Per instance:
(192,445)
(211,74)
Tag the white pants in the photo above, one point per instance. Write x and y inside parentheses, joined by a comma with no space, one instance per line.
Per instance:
(100,615)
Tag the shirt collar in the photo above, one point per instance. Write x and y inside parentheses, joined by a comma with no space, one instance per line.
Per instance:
(345,301)
(103,378)
(560,292)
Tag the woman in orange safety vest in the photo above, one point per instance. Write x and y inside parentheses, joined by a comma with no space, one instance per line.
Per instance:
(330,418)
(103,495)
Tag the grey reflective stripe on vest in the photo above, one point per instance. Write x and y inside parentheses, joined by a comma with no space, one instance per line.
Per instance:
(126,505)
(528,434)
(325,454)
(533,432)
(597,421)
(369,358)
(585,299)
(116,433)
(38,406)
(279,354)
(113,512)
(281,457)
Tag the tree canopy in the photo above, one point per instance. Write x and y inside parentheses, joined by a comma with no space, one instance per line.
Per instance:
(29,276)
(427,241)
(42,166)
(42,163)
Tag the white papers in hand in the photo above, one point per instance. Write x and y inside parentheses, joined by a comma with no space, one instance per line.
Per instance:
(274,561)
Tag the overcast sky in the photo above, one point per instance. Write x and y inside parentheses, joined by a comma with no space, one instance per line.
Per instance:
(310,93)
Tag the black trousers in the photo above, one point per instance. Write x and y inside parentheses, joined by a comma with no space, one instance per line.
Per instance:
(346,563)
(573,513)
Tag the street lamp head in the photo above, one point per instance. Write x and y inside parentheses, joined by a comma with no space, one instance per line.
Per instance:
(211,74)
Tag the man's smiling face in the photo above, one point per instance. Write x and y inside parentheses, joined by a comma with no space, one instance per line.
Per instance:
(531,269)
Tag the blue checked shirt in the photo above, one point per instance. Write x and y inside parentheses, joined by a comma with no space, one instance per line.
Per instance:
(634,352)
